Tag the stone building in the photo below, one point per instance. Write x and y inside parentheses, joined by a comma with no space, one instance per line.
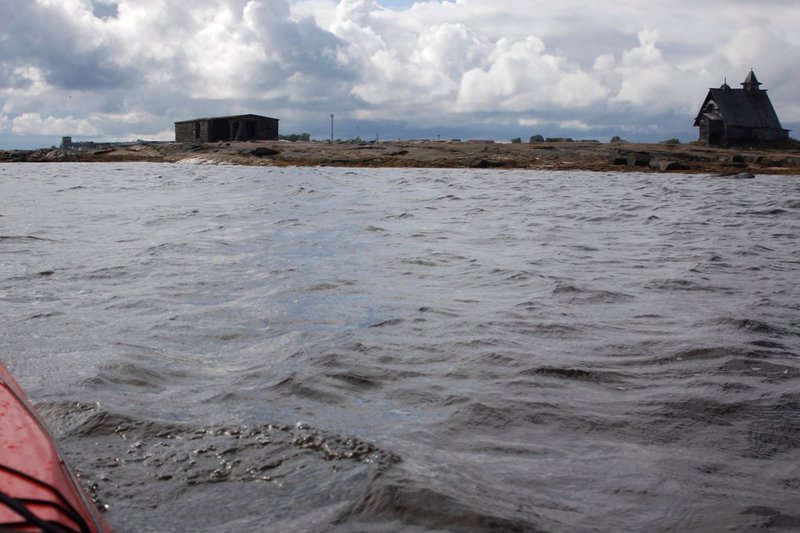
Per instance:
(739,116)
(232,128)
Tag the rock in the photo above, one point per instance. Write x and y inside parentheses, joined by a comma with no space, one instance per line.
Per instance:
(733,161)
(740,176)
(619,160)
(774,162)
(263,151)
(666,166)
(638,159)
(485,163)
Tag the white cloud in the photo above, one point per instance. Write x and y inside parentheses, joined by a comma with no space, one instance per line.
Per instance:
(35,124)
(648,81)
(604,63)
(450,49)
(579,125)
(532,122)
(578,89)
(28,81)
(163,135)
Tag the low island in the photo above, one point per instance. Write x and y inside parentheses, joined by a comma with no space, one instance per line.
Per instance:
(565,155)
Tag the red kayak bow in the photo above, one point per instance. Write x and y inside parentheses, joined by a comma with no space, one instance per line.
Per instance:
(38,492)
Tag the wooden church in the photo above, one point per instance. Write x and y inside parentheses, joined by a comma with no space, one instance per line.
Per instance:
(739,116)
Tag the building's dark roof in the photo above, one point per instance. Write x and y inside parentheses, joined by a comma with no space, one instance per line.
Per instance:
(741,107)
(248,116)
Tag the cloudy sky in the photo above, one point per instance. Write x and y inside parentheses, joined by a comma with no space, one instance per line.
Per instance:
(128,69)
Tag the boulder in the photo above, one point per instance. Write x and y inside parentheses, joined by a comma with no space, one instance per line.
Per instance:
(263,151)
(638,159)
(666,166)
(483,163)
(740,176)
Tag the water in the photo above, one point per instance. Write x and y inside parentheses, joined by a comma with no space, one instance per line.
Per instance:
(223,348)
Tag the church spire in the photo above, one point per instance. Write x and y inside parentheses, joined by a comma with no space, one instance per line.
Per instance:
(751,83)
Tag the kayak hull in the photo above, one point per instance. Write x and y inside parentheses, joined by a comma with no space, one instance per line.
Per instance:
(37,489)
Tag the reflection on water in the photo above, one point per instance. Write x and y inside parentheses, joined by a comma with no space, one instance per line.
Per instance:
(229,348)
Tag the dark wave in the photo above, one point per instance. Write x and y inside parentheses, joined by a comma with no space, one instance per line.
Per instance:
(21,238)
(398,506)
(593,376)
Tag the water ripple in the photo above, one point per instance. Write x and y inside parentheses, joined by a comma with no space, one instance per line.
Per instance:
(234,348)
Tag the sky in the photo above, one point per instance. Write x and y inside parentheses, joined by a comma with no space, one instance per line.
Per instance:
(121,70)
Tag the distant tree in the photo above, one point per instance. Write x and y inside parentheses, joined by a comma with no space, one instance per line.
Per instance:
(670,141)
(295,137)
(560,140)
(616,139)
(537,138)
(516,140)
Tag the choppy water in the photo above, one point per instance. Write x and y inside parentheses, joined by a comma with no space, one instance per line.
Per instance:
(227,348)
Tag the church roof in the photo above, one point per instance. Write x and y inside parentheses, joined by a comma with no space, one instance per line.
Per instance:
(740,107)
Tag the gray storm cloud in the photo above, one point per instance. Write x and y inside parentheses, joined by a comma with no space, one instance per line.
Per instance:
(126,69)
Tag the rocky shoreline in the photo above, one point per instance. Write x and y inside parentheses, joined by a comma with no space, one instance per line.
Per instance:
(592,156)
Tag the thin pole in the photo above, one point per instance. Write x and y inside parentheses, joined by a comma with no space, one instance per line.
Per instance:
(331,127)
